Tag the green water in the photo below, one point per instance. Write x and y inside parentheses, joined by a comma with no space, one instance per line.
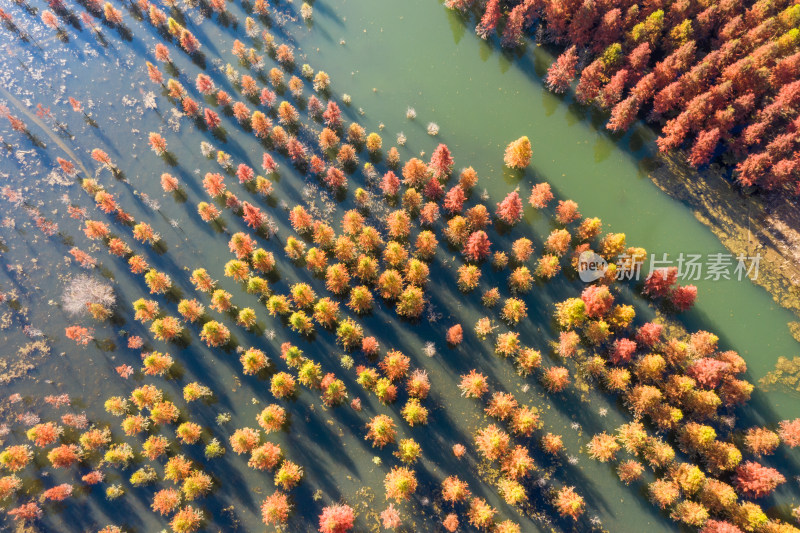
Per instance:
(419,54)
(395,55)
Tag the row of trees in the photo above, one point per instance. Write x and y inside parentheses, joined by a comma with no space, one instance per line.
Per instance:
(365,251)
(509,211)
(361,237)
(144,412)
(718,78)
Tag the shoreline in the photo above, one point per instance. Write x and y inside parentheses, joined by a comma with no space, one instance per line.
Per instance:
(764,224)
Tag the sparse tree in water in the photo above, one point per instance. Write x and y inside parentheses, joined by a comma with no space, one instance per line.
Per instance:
(337,518)
(518,153)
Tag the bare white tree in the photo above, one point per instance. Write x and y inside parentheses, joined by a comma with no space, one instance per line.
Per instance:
(84,290)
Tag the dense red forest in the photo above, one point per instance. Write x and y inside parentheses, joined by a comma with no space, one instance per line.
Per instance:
(719,78)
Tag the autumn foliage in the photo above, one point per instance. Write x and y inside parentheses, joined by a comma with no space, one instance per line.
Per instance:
(336,519)
(518,153)
(715,77)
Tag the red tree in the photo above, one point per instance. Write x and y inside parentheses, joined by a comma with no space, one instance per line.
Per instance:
(659,282)
(755,480)
(336,519)
(390,184)
(204,84)
(623,114)
(477,247)
(541,195)
(212,118)
(590,82)
(609,29)
(683,297)
(491,16)
(598,300)
(704,146)
(639,57)
(708,372)
(649,334)
(433,189)
(790,432)
(441,162)
(753,169)
(26,512)
(252,215)
(189,42)
(455,335)
(332,115)
(245,173)
(611,94)
(562,71)
(622,351)
(510,209)
(515,24)
(454,200)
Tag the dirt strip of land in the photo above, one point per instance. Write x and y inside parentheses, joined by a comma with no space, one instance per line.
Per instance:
(767,223)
